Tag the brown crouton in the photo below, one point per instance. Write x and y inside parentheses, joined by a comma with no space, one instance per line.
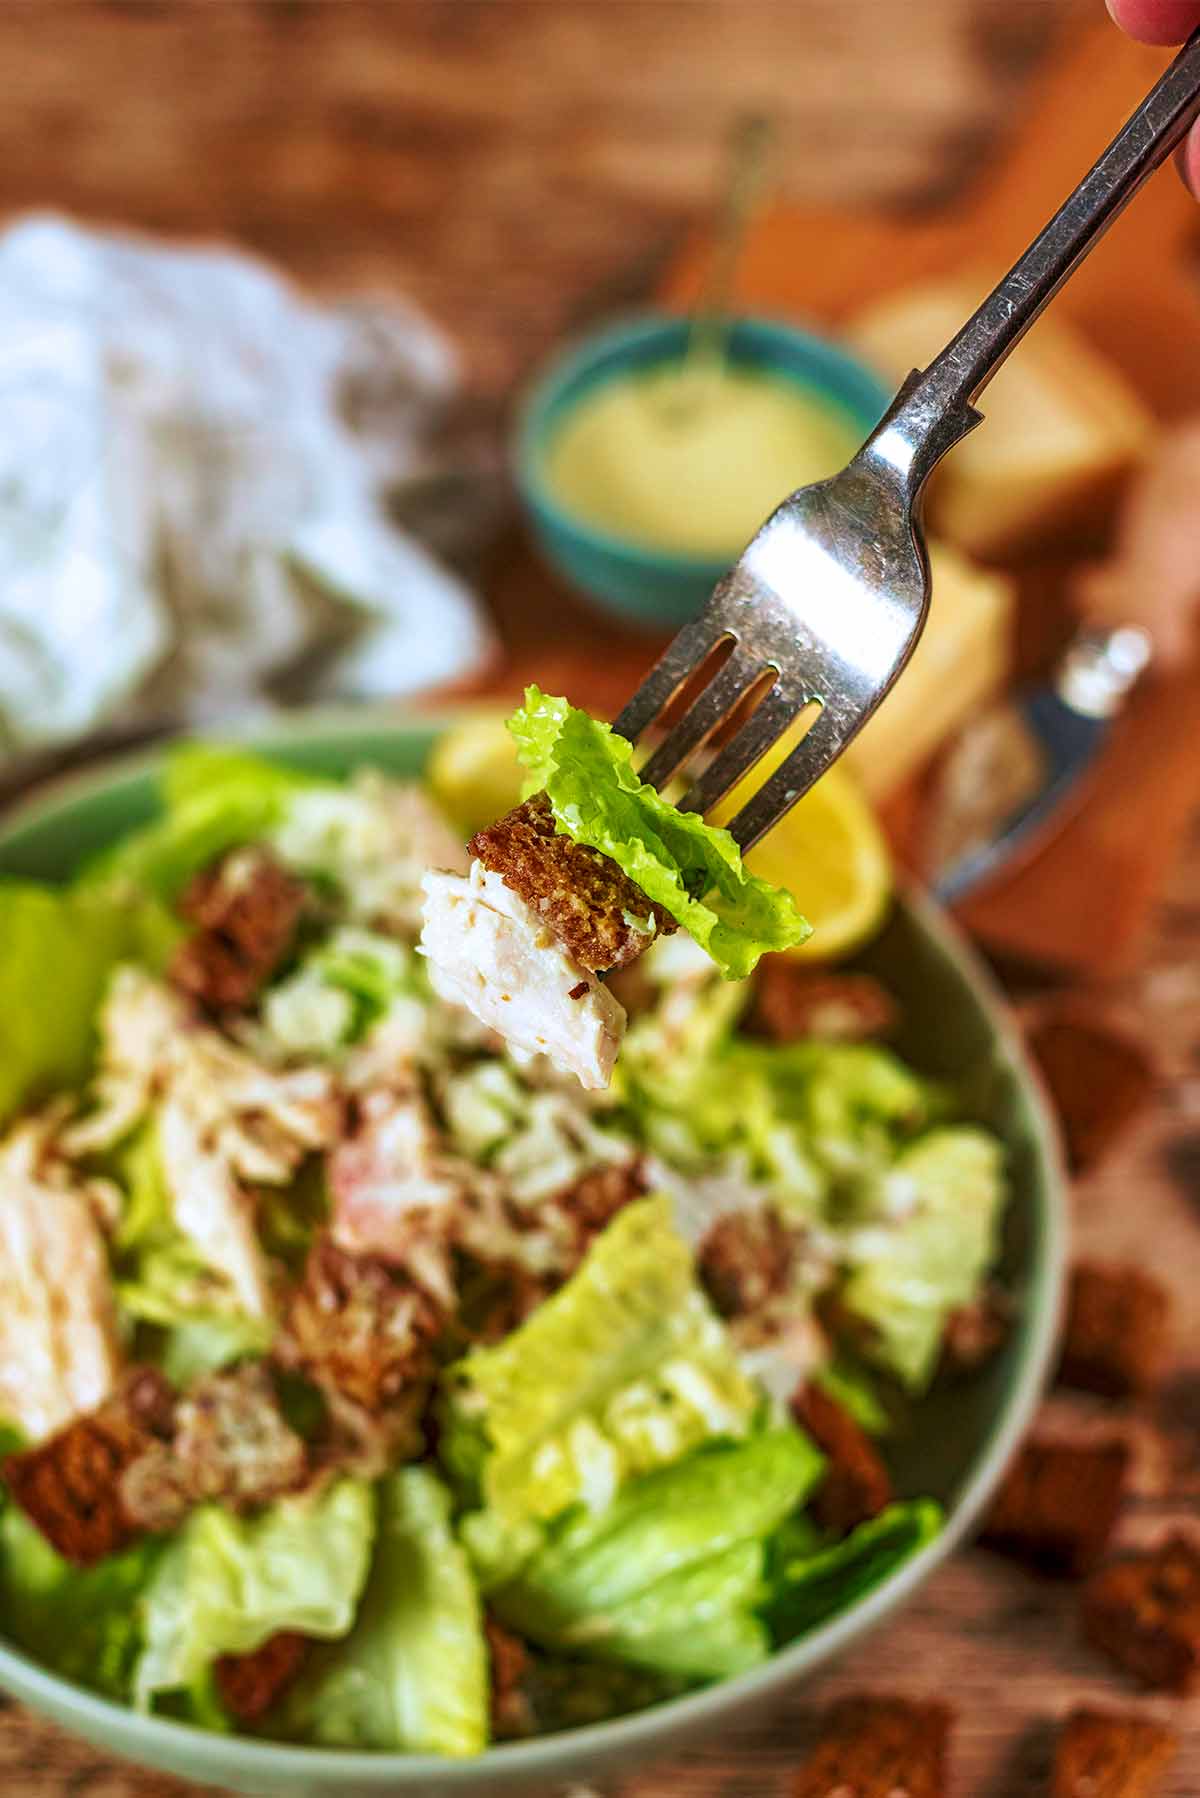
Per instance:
(360,1329)
(872,1747)
(596,1197)
(745,1260)
(1099,1082)
(594,909)
(1143,1611)
(70,1485)
(230,1443)
(245,909)
(249,1684)
(976,1332)
(1116,1330)
(855,1486)
(791,1002)
(1058,1504)
(512,1713)
(1101,1754)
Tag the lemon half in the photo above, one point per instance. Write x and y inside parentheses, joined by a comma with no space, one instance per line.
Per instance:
(830,852)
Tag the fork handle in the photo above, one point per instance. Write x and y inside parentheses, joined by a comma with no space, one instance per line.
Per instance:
(934,408)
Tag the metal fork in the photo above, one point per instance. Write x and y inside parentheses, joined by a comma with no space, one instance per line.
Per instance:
(830,597)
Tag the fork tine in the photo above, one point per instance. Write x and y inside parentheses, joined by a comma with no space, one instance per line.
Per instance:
(682,656)
(764,727)
(731,683)
(792,779)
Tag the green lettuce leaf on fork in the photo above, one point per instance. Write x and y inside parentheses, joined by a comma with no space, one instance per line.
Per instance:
(671,1577)
(624,1369)
(908,1272)
(413,1672)
(224,1584)
(691,869)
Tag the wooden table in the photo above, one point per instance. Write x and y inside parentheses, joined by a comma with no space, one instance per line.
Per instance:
(513,164)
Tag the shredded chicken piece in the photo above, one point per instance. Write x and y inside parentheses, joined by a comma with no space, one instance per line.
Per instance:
(393,1188)
(59,1348)
(224,1121)
(489,952)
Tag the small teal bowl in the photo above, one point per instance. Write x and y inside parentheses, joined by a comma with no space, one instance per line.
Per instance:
(656,586)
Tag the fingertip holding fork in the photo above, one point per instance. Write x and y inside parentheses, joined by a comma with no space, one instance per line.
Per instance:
(824,608)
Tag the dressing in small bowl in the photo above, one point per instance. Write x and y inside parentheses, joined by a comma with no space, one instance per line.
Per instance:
(646,474)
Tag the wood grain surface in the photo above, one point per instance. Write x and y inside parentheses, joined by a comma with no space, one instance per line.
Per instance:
(515,165)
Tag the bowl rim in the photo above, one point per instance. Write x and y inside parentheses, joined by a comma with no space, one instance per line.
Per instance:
(627,330)
(223,1759)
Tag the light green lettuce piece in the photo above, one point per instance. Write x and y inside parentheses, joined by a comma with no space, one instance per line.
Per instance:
(671,1576)
(907,1276)
(214,800)
(225,1584)
(412,1674)
(58,948)
(83,1623)
(804,1119)
(691,869)
(340,989)
(624,1369)
(809,1587)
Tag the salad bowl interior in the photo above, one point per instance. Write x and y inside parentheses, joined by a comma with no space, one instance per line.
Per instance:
(952,1447)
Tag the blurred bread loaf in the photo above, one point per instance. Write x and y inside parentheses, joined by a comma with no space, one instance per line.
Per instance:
(1061,424)
(962,659)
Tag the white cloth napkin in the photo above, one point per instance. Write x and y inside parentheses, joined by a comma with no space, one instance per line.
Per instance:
(194,462)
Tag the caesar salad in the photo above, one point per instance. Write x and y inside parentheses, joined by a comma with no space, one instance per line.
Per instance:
(377,1372)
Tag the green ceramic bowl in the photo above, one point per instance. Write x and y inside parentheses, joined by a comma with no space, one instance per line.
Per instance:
(662,587)
(955,1449)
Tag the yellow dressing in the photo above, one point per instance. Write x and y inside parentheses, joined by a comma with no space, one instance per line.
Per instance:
(693,462)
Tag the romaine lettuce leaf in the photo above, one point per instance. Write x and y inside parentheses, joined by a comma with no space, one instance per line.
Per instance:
(624,1369)
(215,799)
(413,1672)
(58,948)
(224,1584)
(809,1587)
(670,1577)
(340,989)
(83,1623)
(908,1274)
(691,869)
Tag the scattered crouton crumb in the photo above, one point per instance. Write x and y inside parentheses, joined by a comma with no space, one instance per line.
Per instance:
(1143,1612)
(1116,1331)
(1103,1754)
(1058,1504)
(872,1747)
(1099,1081)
